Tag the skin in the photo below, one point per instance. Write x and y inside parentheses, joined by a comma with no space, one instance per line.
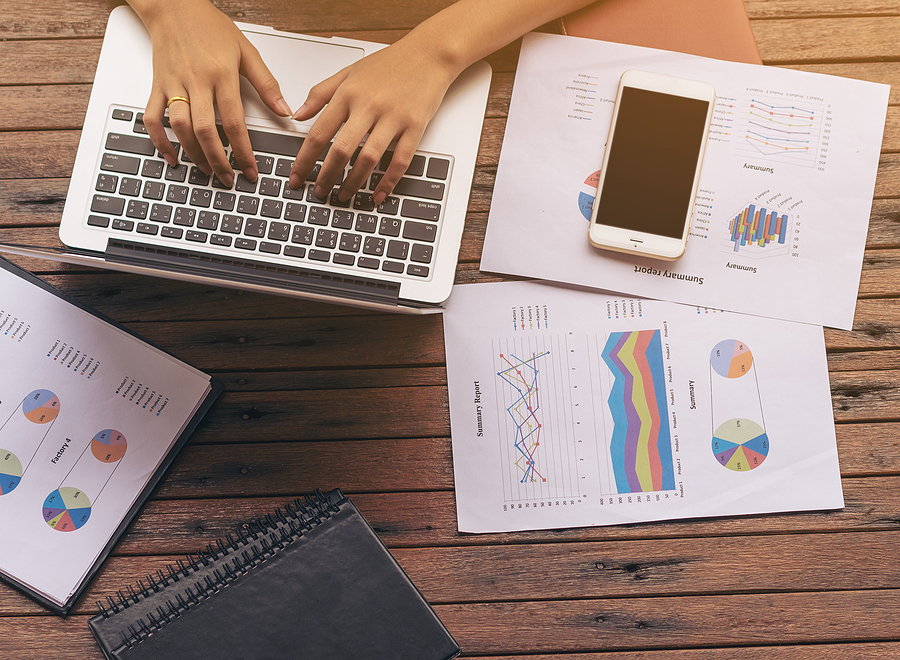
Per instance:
(390,95)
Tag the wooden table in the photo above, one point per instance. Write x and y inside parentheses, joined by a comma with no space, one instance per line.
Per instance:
(325,396)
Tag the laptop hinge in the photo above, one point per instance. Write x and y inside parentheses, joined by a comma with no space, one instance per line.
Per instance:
(238,270)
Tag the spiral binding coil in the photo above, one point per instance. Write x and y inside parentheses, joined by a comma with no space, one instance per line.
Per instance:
(254,543)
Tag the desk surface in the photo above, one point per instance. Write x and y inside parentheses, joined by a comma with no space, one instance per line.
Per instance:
(323,396)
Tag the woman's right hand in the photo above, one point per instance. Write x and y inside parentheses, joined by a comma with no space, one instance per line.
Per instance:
(199,54)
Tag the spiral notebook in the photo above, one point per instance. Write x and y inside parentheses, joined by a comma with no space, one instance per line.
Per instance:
(312,580)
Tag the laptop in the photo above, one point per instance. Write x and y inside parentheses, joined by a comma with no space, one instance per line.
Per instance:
(127,210)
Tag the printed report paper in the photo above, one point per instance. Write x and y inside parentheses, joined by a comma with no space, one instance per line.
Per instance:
(570,407)
(780,220)
(87,414)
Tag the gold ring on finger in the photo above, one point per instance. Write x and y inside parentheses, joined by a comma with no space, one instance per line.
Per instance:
(177,98)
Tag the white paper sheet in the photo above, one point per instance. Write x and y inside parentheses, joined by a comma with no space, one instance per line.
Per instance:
(573,408)
(87,413)
(804,146)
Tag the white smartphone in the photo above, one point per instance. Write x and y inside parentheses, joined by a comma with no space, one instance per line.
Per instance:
(651,167)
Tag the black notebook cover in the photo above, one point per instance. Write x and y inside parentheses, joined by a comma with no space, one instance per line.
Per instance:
(216,388)
(312,581)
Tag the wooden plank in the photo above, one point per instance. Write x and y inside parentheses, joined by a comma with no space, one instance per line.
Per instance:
(760,9)
(867,38)
(855,651)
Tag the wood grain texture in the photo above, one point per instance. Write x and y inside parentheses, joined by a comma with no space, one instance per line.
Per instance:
(325,396)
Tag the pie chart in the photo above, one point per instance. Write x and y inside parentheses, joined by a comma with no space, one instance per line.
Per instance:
(67,509)
(10,471)
(108,446)
(740,445)
(731,358)
(41,406)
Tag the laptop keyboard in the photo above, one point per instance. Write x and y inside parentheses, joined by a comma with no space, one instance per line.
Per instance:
(137,193)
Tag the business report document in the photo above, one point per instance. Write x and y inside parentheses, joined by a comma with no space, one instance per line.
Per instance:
(570,407)
(780,220)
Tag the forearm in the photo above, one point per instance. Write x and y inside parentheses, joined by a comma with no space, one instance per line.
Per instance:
(469,30)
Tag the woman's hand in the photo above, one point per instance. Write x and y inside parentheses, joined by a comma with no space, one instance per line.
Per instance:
(199,54)
(392,95)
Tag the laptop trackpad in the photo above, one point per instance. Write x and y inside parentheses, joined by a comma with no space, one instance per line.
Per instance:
(297,63)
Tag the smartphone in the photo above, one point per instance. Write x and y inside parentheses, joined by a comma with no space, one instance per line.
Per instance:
(651,167)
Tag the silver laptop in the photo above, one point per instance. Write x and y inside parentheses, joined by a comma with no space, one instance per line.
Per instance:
(127,210)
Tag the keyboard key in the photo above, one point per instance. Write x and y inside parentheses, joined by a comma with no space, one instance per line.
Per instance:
(147,228)
(366,223)
(152,169)
(124,115)
(154,190)
(108,183)
(172,232)
(247,205)
(218,184)
(320,255)
(311,196)
(389,206)
(245,243)
(416,166)
(392,267)
(373,246)
(273,143)
(130,144)
(197,177)
(161,213)
(130,187)
(269,248)
(368,262)
(137,209)
(122,225)
(208,220)
(185,217)
(290,193)
(342,219)
(419,231)
(97,221)
(418,270)
(177,194)
(390,227)
(243,184)
(271,208)
(318,215)
(218,239)
(303,235)
(178,173)
(334,201)
(326,238)
(397,250)
(255,227)
(422,253)
(295,212)
(224,201)
(283,167)
(438,168)
(294,251)
(232,224)
(270,187)
(264,164)
(344,259)
(120,164)
(350,242)
(419,188)
(279,231)
(413,208)
(201,197)
(363,201)
(195,236)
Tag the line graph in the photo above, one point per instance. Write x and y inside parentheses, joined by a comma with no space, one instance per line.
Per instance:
(524,411)
(774,128)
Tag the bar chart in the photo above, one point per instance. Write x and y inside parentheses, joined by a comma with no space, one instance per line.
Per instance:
(759,227)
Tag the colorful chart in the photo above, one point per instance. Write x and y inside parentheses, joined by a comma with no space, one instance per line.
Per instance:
(67,509)
(758,226)
(41,406)
(522,376)
(587,195)
(731,358)
(740,445)
(640,448)
(10,471)
(109,446)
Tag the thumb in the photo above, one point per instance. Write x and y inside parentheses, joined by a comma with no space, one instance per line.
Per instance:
(257,73)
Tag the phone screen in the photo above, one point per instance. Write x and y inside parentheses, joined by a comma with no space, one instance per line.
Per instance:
(650,172)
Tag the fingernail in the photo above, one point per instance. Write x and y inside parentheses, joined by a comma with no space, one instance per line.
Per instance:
(379,197)
(227,179)
(294,181)
(283,107)
(299,111)
(321,192)
(171,160)
(251,176)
